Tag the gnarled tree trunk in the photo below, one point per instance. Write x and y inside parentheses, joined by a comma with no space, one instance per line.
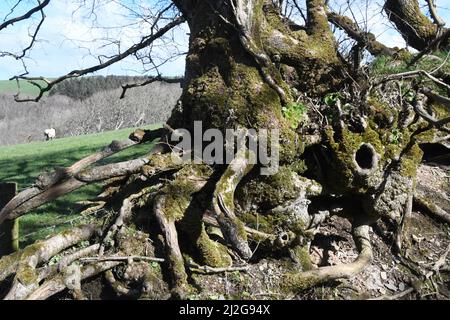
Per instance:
(348,146)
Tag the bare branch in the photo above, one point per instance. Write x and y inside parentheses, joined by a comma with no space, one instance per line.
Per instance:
(417,30)
(365,39)
(433,12)
(150,80)
(145,42)
(415,73)
(26,15)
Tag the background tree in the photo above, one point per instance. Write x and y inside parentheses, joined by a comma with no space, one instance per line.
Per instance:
(349,146)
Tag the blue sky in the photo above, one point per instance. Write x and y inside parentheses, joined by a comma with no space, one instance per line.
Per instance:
(65,41)
(63,33)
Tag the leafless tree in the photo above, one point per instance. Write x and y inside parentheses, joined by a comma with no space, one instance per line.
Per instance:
(251,64)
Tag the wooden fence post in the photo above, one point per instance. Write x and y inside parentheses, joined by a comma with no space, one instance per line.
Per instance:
(9,230)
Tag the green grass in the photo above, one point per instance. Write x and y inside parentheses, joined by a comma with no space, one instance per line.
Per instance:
(23,163)
(385,65)
(26,88)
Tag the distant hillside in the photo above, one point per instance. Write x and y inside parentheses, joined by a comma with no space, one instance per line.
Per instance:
(26,88)
(102,111)
(85,87)
(77,88)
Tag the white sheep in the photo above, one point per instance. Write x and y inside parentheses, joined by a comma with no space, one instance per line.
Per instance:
(50,134)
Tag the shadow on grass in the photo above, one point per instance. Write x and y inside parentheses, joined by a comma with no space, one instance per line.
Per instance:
(62,212)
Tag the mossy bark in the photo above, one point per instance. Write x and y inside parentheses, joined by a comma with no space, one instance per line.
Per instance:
(225,86)
(416,28)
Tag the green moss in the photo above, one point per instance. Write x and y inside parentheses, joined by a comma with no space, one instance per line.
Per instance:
(8,264)
(303,257)
(382,114)
(27,275)
(299,166)
(178,192)
(312,53)
(180,281)
(159,162)
(296,282)
(240,229)
(213,253)
(258,221)
(270,191)
(441,111)
(343,173)
(410,162)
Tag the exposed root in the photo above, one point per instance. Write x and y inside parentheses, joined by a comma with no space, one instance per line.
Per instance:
(8,265)
(432,208)
(395,296)
(123,216)
(223,203)
(173,252)
(251,233)
(439,263)
(118,287)
(119,169)
(404,223)
(124,213)
(95,207)
(300,281)
(72,281)
(27,278)
(58,283)
(67,260)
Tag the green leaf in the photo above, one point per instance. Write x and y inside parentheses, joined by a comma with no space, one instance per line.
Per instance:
(332,98)
(294,113)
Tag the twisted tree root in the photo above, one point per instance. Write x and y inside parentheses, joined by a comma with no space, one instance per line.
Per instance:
(50,271)
(58,283)
(173,252)
(223,203)
(432,209)
(301,281)
(27,277)
(124,214)
(404,223)
(251,233)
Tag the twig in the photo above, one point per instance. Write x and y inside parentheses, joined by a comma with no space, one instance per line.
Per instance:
(210,270)
(395,296)
(121,258)
(415,73)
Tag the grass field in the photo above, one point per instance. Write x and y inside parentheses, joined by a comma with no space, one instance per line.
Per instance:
(26,88)
(23,163)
